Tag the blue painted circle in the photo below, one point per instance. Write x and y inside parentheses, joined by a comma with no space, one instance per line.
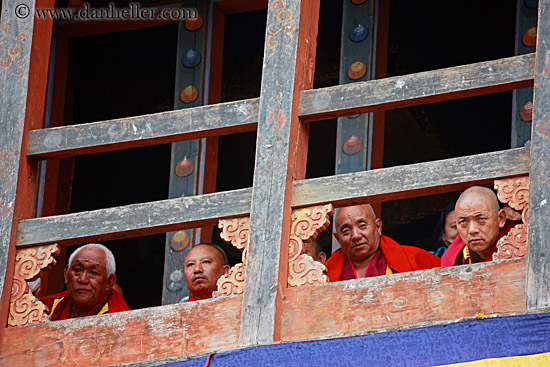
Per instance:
(532,4)
(191,58)
(358,33)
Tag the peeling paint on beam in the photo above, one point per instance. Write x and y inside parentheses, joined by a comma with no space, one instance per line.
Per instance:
(158,128)
(134,220)
(410,180)
(369,304)
(420,88)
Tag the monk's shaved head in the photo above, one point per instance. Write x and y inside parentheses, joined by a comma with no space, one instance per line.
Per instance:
(480,192)
(367,207)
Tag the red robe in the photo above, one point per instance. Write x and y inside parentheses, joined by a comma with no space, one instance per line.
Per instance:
(400,259)
(60,305)
(452,255)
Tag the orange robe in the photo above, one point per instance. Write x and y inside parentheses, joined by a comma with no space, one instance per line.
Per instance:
(60,305)
(400,259)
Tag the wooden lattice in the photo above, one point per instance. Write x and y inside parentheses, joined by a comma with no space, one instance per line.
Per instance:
(307,223)
(24,307)
(515,193)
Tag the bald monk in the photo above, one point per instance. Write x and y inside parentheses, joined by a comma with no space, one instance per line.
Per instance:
(480,225)
(365,252)
(90,277)
(315,250)
(203,266)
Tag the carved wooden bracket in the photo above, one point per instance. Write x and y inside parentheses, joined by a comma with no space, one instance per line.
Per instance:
(307,223)
(514,192)
(24,307)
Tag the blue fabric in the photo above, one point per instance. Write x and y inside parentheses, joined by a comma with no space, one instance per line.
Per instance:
(428,346)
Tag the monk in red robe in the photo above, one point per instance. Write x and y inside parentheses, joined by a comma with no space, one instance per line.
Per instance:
(203,266)
(365,252)
(480,225)
(90,277)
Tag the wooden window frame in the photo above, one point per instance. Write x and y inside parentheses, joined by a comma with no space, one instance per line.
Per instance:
(268,311)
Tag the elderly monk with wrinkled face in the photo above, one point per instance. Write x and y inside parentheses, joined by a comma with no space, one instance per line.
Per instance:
(480,225)
(89,277)
(203,266)
(365,252)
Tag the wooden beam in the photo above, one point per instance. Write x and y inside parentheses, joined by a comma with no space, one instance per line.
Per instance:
(157,128)
(291,34)
(134,220)
(189,212)
(24,54)
(420,88)
(411,180)
(127,337)
(369,304)
(538,254)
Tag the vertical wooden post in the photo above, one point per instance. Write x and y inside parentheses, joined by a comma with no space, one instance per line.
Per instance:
(356,135)
(184,164)
(523,98)
(24,54)
(289,59)
(538,254)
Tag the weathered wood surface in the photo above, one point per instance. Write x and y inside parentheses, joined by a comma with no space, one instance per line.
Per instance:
(289,54)
(411,180)
(127,337)
(410,298)
(538,254)
(174,287)
(420,88)
(157,128)
(190,212)
(15,58)
(134,220)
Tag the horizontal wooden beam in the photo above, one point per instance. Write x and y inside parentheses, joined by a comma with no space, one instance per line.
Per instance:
(158,128)
(368,304)
(134,220)
(412,180)
(194,211)
(127,337)
(420,88)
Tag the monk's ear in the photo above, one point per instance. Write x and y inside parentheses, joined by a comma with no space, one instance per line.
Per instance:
(501,218)
(111,281)
(335,234)
(65,272)
(322,257)
(226,269)
(378,223)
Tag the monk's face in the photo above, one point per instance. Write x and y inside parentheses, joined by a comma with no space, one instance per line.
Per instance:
(86,278)
(358,232)
(450,232)
(204,265)
(479,223)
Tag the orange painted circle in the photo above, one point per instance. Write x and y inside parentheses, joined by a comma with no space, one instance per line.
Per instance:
(179,241)
(189,94)
(357,70)
(193,24)
(526,112)
(530,37)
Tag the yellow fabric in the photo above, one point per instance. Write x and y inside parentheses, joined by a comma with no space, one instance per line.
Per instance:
(388,270)
(104,309)
(466,254)
(534,360)
(55,303)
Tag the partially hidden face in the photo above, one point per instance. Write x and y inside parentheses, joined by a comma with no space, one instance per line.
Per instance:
(86,278)
(478,223)
(204,265)
(358,232)
(451,231)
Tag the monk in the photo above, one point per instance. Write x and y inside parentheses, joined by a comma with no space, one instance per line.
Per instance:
(480,225)
(89,277)
(365,252)
(315,250)
(203,266)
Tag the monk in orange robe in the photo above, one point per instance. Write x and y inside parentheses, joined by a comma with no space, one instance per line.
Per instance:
(480,225)
(365,252)
(90,277)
